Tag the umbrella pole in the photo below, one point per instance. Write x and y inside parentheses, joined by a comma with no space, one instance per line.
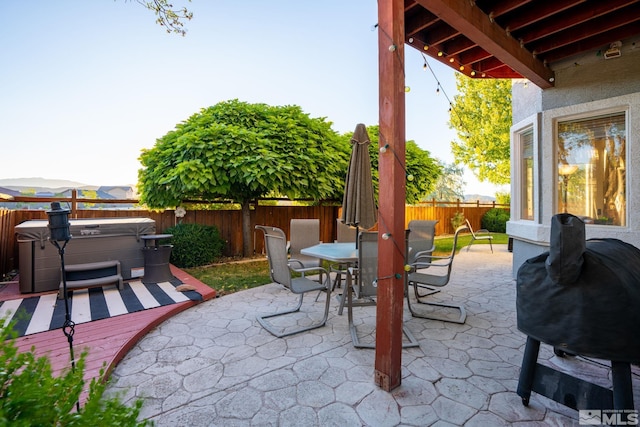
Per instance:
(357,233)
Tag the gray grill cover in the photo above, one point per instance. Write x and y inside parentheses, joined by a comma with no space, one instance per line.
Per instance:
(582,297)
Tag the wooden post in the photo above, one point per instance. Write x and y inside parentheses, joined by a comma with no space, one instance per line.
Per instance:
(391,215)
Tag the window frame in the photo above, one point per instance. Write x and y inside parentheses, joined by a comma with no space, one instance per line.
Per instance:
(586,115)
(531,124)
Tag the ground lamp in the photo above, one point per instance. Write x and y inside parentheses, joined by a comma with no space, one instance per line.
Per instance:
(59,236)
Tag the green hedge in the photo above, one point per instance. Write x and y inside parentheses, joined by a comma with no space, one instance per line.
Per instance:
(195,245)
(495,220)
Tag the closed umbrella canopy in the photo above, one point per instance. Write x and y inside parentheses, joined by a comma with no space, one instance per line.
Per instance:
(358,205)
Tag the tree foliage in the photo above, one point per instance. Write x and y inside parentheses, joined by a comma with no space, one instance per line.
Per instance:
(422,169)
(240,151)
(481,116)
(172,19)
(31,395)
(450,184)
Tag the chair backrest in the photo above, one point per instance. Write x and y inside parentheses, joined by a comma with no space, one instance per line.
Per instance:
(420,238)
(345,233)
(455,240)
(440,277)
(275,243)
(302,234)
(367,263)
(470,228)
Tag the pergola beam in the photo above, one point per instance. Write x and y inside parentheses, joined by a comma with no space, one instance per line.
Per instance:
(469,20)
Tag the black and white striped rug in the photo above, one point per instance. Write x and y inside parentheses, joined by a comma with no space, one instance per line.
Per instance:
(46,312)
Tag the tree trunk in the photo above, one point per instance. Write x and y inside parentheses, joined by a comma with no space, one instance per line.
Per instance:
(247,244)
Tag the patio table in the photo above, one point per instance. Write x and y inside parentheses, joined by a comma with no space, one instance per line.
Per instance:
(343,253)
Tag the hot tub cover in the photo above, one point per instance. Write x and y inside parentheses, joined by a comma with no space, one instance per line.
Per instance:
(582,297)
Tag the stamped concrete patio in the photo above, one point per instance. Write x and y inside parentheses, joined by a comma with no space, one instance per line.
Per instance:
(213,365)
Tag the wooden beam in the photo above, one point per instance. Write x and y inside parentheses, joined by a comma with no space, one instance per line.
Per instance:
(476,25)
(391,166)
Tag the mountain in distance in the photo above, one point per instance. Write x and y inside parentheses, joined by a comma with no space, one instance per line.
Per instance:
(42,184)
(476,197)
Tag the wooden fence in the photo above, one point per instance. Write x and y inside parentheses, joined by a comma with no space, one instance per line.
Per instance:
(229,221)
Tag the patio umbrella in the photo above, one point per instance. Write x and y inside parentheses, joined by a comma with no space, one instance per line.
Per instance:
(358,204)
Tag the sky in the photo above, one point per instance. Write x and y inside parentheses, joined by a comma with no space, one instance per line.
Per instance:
(85,86)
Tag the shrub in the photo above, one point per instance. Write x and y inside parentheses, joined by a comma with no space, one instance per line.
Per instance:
(495,220)
(457,220)
(195,245)
(31,396)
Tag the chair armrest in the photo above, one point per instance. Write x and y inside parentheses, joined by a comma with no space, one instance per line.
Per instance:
(428,261)
(426,253)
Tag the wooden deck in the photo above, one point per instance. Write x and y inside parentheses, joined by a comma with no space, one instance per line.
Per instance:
(107,341)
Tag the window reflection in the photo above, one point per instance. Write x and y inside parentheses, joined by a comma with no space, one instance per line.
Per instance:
(591,168)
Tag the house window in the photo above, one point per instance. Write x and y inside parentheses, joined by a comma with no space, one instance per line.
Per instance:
(591,168)
(526,179)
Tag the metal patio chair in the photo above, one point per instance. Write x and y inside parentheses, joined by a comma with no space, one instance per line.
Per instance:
(439,268)
(420,242)
(345,234)
(365,286)
(481,234)
(280,270)
(302,234)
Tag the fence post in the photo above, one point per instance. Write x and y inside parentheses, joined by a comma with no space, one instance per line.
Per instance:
(74,203)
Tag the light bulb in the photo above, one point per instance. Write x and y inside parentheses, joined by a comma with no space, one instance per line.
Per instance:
(386,236)
(407,89)
(424,67)
(407,267)
(383,149)
(409,177)
(392,48)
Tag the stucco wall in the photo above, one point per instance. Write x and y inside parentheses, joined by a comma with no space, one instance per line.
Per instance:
(585,85)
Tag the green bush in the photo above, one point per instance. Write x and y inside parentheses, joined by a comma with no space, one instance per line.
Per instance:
(195,245)
(457,220)
(495,220)
(30,395)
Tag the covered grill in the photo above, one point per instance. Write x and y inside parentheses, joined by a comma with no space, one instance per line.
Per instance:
(581,297)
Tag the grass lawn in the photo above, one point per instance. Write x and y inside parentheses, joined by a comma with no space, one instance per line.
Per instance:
(230,277)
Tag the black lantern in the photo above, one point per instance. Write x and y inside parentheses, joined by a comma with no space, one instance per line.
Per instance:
(59,232)
(58,223)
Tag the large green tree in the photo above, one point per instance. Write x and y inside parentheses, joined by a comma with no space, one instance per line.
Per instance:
(481,116)
(240,151)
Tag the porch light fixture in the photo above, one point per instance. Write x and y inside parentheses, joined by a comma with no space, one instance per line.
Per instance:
(613,51)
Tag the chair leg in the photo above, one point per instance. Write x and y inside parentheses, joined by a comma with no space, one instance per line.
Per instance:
(279,333)
(412,341)
(460,319)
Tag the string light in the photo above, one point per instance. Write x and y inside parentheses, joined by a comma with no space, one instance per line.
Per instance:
(409,177)
(384,148)
(386,236)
